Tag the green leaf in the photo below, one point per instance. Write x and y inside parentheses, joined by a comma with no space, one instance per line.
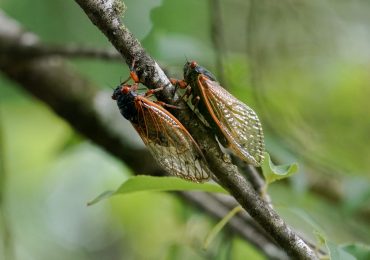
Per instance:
(320,238)
(218,227)
(152,183)
(104,195)
(273,172)
(360,251)
(338,253)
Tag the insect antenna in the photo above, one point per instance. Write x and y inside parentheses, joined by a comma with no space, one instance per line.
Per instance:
(124,82)
(109,85)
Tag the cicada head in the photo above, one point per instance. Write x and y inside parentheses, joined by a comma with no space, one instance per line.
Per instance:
(122,90)
(125,98)
(116,93)
(192,70)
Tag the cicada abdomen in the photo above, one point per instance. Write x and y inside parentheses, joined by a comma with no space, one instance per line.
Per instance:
(236,125)
(167,139)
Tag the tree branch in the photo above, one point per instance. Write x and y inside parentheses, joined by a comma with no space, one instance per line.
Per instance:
(242,224)
(106,16)
(67,51)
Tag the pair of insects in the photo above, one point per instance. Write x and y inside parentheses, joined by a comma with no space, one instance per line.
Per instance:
(235,124)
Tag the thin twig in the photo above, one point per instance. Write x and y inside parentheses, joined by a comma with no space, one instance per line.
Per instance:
(69,51)
(218,38)
(251,51)
(106,16)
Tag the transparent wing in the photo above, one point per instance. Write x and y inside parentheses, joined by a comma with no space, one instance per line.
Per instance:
(169,142)
(238,122)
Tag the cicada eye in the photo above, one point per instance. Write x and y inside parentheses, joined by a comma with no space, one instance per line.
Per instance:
(116,93)
(193,64)
(125,89)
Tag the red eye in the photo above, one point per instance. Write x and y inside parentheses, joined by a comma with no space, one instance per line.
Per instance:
(125,89)
(193,64)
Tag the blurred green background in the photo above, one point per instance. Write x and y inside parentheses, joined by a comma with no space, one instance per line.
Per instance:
(304,66)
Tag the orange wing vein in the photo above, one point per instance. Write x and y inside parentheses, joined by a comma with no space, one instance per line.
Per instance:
(238,122)
(169,142)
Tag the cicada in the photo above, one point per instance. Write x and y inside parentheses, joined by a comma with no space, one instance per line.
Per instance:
(235,124)
(167,139)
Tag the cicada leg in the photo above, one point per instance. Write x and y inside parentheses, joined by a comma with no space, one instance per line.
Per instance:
(124,82)
(163,104)
(136,79)
(195,101)
(179,83)
(183,85)
(186,95)
(151,92)
(133,74)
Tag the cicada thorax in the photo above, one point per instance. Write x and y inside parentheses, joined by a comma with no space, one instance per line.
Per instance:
(235,124)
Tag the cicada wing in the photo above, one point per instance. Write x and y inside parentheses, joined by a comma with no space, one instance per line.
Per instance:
(170,143)
(238,122)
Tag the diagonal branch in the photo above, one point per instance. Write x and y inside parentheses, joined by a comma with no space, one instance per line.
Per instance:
(105,14)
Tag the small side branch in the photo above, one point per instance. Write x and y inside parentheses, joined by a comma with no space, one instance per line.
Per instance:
(218,38)
(23,51)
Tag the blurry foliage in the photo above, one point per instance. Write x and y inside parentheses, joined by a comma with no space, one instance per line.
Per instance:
(302,65)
